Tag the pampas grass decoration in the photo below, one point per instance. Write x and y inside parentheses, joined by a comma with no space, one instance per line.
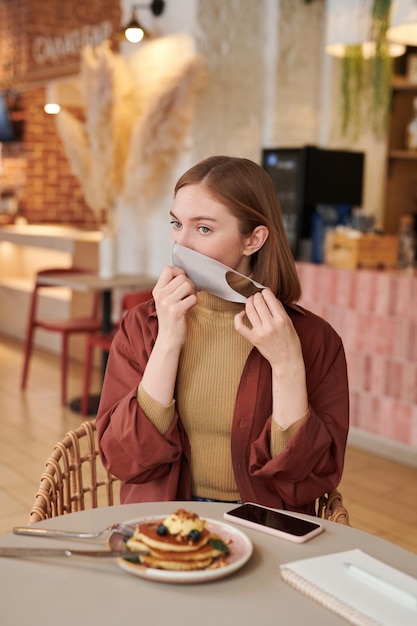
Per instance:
(97,86)
(160,133)
(124,114)
(135,125)
(75,142)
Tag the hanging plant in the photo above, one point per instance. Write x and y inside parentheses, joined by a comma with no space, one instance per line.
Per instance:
(366,83)
(381,66)
(352,84)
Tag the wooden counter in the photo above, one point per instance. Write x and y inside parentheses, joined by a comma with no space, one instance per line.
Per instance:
(62,238)
(375,313)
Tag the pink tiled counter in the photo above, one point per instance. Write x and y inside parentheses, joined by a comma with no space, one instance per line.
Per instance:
(375,313)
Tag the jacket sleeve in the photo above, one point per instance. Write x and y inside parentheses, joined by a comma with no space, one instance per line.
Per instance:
(312,462)
(131,447)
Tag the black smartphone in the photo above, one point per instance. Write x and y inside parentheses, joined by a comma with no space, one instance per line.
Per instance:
(279,523)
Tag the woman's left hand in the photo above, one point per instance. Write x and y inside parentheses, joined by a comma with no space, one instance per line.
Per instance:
(271,331)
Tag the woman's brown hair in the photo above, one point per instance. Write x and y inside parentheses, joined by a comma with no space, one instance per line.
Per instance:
(248,192)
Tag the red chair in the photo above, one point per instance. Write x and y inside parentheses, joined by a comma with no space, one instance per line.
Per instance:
(104,340)
(65,327)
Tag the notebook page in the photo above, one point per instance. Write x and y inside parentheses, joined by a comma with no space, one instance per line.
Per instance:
(329,581)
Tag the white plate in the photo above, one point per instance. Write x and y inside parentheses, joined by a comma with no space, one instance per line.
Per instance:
(240,547)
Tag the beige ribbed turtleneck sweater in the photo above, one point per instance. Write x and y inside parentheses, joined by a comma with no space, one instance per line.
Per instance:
(210,369)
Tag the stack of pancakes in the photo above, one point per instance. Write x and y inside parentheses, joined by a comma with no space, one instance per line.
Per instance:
(178,549)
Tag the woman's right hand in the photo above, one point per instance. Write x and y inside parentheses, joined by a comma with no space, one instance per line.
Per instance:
(174,295)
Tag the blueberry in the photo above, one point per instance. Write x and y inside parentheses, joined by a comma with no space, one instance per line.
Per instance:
(161,529)
(194,535)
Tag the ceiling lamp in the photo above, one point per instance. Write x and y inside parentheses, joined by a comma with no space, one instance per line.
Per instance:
(348,23)
(368,49)
(403,22)
(134,31)
(52,108)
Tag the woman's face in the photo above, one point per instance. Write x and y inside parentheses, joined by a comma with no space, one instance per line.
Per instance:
(204,224)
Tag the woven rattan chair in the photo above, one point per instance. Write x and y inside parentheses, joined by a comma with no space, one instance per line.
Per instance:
(331,507)
(74,478)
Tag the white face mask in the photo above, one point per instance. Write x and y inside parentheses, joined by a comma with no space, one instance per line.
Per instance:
(207,274)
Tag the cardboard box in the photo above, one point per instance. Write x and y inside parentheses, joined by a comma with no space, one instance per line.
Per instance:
(350,248)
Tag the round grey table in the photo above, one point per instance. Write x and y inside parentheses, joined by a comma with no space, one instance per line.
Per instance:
(79,590)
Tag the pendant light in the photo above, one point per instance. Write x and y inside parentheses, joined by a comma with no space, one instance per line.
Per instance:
(134,31)
(403,22)
(348,23)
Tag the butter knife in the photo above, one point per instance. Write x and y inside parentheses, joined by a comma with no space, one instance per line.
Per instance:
(25,552)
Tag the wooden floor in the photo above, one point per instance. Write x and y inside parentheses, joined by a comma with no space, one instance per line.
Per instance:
(380,494)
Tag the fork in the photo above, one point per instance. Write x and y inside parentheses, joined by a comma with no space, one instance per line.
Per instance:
(120,528)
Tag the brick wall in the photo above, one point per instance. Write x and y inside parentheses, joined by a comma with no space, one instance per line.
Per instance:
(374,313)
(37,167)
(52,193)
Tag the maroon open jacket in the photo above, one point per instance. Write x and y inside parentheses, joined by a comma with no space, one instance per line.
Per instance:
(156,467)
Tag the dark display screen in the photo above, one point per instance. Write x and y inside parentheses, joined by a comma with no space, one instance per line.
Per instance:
(274,519)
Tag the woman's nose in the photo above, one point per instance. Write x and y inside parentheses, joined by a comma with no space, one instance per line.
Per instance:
(180,237)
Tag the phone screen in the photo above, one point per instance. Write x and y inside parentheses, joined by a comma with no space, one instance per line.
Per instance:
(274,519)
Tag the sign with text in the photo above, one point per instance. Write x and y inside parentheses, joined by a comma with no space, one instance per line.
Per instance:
(58,48)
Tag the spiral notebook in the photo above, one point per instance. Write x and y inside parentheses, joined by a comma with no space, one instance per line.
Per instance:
(361,589)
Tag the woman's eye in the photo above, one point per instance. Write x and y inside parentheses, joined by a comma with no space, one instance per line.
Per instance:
(175,224)
(205,229)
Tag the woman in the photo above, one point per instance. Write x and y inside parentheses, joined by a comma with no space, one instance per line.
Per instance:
(206,398)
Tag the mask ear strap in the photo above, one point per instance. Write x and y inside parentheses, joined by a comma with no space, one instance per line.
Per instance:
(248,278)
